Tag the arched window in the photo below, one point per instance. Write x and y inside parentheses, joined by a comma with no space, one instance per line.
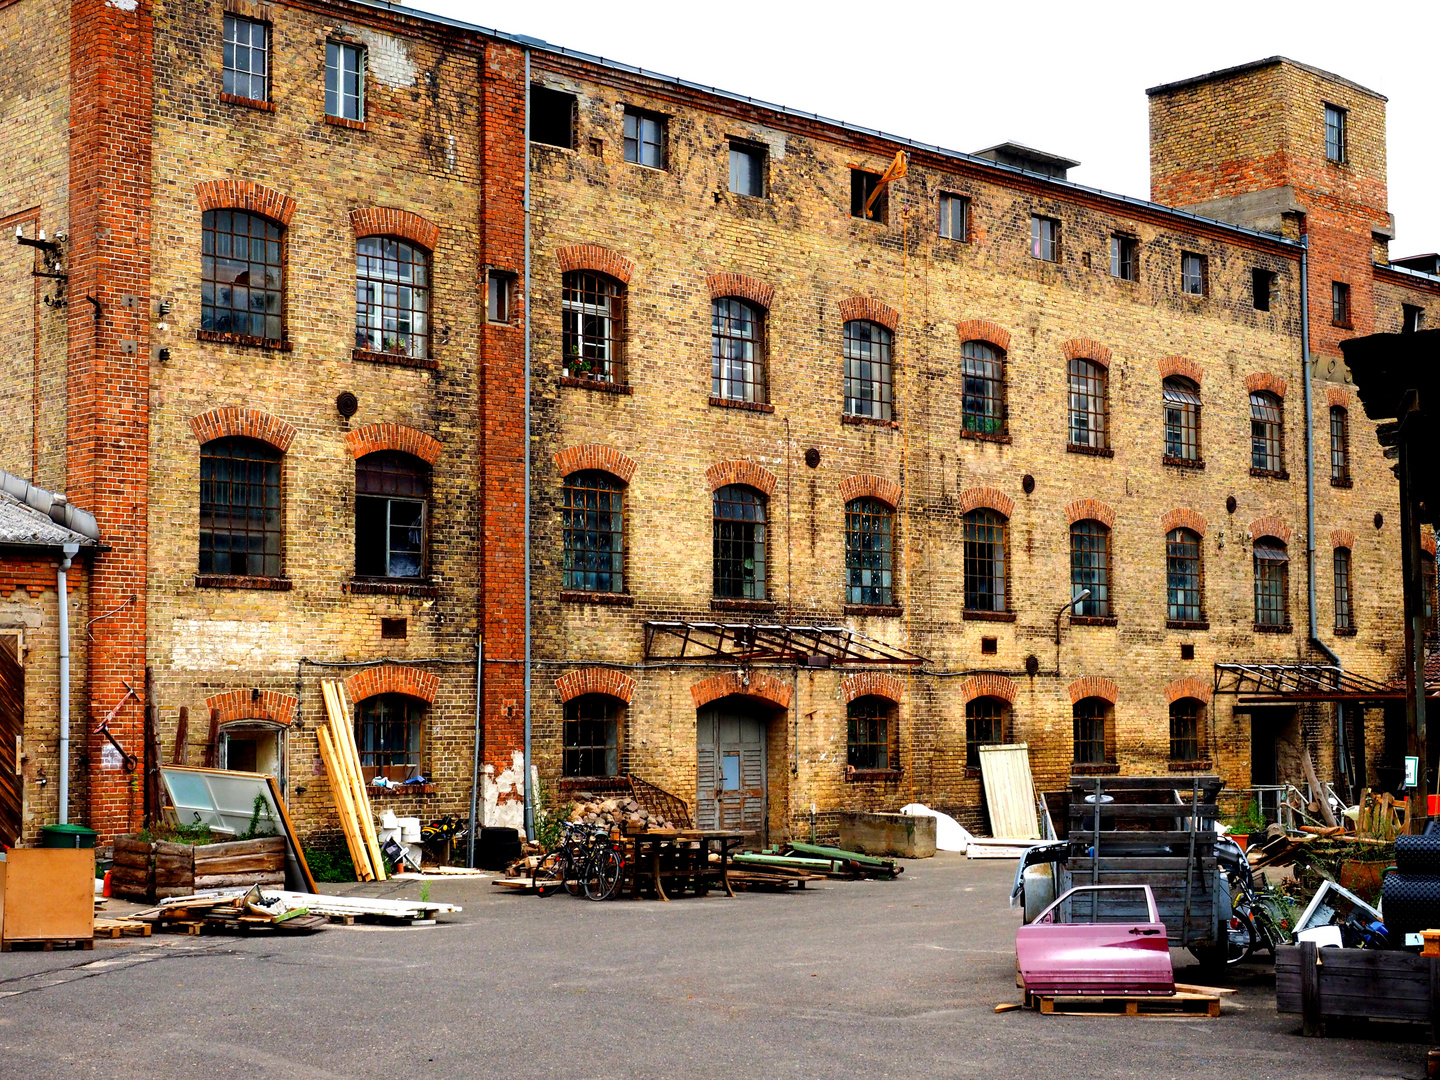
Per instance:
(1344,613)
(1182,419)
(868,731)
(1339,446)
(739,553)
(1091,723)
(869,553)
(985,561)
(1272,566)
(392,497)
(1183,583)
(1267,443)
(240,521)
(982,391)
(869,371)
(389,733)
(593,317)
(984,726)
(591,736)
(1090,567)
(1088,405)
(737,351)
(242,275)
(392,297)
(593,522)
(1187,729)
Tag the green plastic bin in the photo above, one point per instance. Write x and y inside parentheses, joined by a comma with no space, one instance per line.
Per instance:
(67,836)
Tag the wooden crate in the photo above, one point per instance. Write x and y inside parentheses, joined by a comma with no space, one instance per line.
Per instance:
(47,895)
(1371,984)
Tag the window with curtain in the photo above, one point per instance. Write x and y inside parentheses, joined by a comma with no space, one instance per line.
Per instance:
(1182,577)
(867,721)
(242,275)
(869,553)
(984,726)
(737,351)
(592,521)
(592,316)
(389,731)
(392,496)
(1090,567)
(1182,419)
(1187,720)
(869,372)
(1272,565)
(392,297)
(1266,433)
(739,550)
(1344,613)
(240,520)
(985,560)
(591,736)
(1090,717)
(982,388)
(1087,405)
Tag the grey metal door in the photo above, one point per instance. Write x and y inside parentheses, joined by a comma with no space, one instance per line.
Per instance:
(731,790)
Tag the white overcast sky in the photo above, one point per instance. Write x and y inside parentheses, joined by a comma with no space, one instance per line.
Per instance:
(1069,78)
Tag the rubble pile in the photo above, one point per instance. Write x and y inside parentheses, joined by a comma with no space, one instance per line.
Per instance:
(625,812)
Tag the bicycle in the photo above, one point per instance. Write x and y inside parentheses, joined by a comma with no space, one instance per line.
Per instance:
(586,860)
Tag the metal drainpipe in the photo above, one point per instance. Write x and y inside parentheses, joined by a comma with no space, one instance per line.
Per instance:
(529,794)
(62,587)
(475,754)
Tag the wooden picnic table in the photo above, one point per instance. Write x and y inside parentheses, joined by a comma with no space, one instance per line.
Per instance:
(682,858)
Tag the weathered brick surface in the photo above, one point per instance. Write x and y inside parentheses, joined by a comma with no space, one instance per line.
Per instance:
(247,423)
(392,679)
(269,705)
(372,438)
(595,680)
(391,221)
(607,459)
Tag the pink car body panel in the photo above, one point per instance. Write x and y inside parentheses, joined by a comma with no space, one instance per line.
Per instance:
(1095,958)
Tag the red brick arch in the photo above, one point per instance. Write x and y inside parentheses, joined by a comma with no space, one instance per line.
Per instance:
(388,221)
(1345,538)
(594,257)
(596,456)
(1336,397)
(1270,525)
(976,497)
(250,423)
(1180,365)
(1182,519)
(1094,686)
(392,679)
(863,485)
(754,684)
(725,473)
(741,285)
(254,705)
(872,684)
(997,686)
(869,310)
(1091,510)
(376,437)
(984,330)
(1263,382)
(1189,687)
(1087,349)
(245,195)
(595,680)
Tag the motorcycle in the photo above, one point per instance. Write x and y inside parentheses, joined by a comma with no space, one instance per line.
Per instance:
(1252,927)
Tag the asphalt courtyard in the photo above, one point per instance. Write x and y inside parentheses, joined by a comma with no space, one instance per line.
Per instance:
(846,979)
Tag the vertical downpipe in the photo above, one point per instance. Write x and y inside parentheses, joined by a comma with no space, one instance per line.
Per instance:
(62,587)
(529,794)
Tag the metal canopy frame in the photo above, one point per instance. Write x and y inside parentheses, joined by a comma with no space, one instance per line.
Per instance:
(814,646)
(1261,684)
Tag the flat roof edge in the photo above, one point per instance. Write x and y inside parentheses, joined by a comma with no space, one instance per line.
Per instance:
(1258,65)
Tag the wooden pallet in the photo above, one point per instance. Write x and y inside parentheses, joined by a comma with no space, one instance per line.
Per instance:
(46,944)
(1119,1005)
(771,881)
(114,928)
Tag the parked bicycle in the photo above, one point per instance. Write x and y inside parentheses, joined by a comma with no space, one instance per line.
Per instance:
(586,861)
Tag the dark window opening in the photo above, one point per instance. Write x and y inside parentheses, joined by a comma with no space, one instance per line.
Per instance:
(1262,286)
(392,494)
(747,169)
(739,546)
(869,553)
(984,726)
(868,733)
(1412,318)
(862,185)
(389,729)
(1187,718)
(1427,590)
(1090,567)
(1124,257)
(498,286)
(591,736)
(593,523)
(1091,717)
(242,275)
(394,629)
(240,521)
(1187,652)
(552,117)
(989,646)
(985,575)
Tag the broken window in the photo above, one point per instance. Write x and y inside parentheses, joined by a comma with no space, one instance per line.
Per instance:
(1182,577)
(869,372)
(392,297)
(1272,566)
(739,552)
(1187,718)
(592,313)
(240,522)
(593,523)
(1090,567)
(389,729)
(868,733)
(869,553)
(737,339)
(862,185)
(985,560)
(392,494)
(1262,285)
(552,117)
(984,726)
(1182,418)
(591,743)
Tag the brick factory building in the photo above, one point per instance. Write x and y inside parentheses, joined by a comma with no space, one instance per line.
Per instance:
(907,420)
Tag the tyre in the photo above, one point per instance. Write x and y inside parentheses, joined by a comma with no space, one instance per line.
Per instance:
(602,877)
(574,861)
(548,875)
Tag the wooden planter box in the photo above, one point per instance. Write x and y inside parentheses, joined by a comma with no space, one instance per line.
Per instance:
(154,870)
(1373,984)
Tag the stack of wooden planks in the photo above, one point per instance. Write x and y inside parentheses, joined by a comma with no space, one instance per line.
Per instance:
(347,783)
(238,911)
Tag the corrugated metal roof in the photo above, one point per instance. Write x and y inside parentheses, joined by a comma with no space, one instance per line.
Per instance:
(23,526)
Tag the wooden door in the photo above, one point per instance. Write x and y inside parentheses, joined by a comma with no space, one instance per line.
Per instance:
(12,725)
(731,783)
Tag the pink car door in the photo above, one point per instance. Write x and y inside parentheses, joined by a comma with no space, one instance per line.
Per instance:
(1097,939)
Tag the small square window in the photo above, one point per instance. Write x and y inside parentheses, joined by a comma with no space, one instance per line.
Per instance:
(747,169)
(1262,286)
(989,646)
(645,139)
(394,629)
(498,287)
(1339,303)
(1123,257)
(1192,274)
(552,117)
(344,81)
(1335,133)
(863,185)
(1412,318)
(954,216)
(1044,238)
(247,59)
